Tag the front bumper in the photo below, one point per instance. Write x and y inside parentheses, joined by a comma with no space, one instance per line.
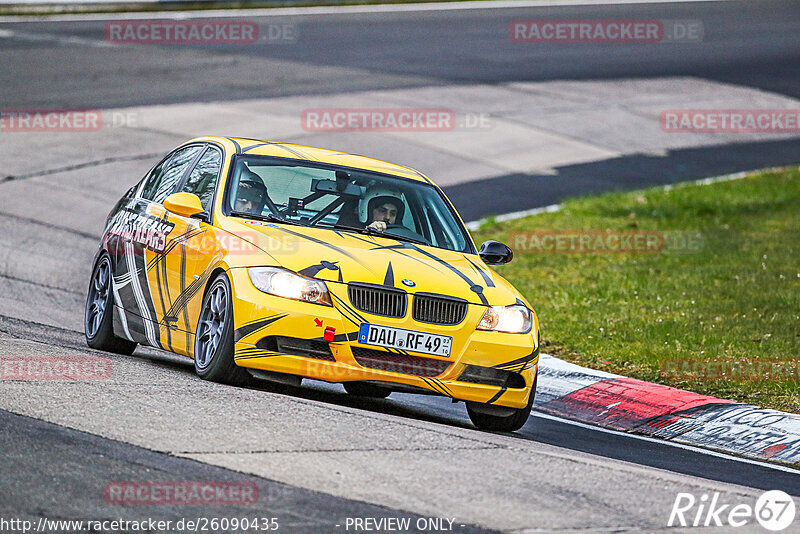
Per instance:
(259,318)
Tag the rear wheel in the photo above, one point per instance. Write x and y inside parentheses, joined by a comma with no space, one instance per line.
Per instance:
(360,389)
(213,345)
(99,314)
(500,418)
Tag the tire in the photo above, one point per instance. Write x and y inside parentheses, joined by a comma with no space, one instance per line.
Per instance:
(213,344)
(501,423)
(360,389)
(98,317)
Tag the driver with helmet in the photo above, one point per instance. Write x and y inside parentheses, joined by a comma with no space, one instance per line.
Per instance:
(252,193)
(380,208)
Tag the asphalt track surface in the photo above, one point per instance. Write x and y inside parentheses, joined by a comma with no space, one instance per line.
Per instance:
(53,471)
(86,464)
(745,43)
(324,456)
(749,44)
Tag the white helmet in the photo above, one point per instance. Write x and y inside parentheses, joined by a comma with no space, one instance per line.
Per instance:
(376,196)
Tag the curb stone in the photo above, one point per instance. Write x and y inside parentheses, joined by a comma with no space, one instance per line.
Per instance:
(634,406)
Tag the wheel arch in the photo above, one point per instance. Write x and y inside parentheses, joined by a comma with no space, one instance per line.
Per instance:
(219,269)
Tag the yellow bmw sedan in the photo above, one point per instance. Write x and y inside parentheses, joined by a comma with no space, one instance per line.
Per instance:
(283,262)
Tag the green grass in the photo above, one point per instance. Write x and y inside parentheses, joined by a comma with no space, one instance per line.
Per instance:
(738,297)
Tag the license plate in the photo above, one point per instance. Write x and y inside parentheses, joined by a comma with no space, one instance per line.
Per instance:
(399,338)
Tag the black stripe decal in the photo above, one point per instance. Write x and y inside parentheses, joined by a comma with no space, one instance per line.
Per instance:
(183,288)
(436,387)
(323,243)
(339,338)
(402,245)
(486,278)
(260,355)
(238,147)
(313,270)
(248,329)
(161,256)
(295,152)
(497,395)
(257,145)
(520,364)
(187,295)
(144,285)
(421,175)
(164,308)
(476,288)
(292,151)
(349,316)
(161,259)
(350,310)
(358,237)
(443,386)
(253,350)
(389,279)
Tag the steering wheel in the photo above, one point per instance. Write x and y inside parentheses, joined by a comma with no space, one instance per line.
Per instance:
(403,231)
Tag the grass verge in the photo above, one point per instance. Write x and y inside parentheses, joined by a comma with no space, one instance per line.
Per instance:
(713,308)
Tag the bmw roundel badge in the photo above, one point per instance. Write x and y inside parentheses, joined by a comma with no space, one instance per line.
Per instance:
(408,283)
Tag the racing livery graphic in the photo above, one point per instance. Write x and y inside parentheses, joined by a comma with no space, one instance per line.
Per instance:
(270,260)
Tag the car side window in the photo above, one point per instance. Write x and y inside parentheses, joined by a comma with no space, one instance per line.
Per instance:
(151,180)
(160,186)
(203,178)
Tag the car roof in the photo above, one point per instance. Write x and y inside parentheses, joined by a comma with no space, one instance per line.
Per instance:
(260,147)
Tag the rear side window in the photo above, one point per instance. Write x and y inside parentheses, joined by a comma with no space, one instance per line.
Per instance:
(161,184)
(203,178)
(151,181)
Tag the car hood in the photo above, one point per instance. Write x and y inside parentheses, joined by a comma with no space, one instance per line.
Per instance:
(343,257)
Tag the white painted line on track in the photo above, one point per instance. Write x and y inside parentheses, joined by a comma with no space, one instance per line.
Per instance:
(54,38)
(334,10)
(707,452)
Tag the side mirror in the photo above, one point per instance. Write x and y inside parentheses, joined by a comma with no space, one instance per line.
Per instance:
(495,253)
(184,204)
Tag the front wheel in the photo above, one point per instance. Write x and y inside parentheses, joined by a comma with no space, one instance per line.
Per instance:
(213,345)
(500,418)
(99,314)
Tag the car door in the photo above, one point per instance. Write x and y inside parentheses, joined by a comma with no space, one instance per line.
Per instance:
(188,260)
(149,244)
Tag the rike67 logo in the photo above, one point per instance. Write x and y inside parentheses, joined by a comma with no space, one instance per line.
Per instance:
(774,510)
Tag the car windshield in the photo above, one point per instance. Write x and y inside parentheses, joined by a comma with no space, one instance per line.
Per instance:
(344,199)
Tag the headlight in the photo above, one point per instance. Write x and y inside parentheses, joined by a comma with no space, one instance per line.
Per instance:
(286,284)
(515,319)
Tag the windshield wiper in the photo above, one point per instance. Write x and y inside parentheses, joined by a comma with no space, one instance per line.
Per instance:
(376,233)
(367,231)
(270,217)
